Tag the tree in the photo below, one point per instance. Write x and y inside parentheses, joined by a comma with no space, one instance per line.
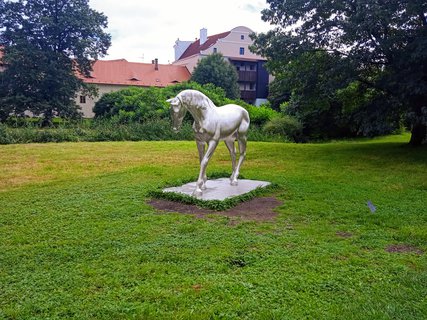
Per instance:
(383,41)
(321,93)
(216,70)
(46,44)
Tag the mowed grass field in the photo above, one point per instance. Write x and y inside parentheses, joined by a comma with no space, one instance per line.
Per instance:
(79,241)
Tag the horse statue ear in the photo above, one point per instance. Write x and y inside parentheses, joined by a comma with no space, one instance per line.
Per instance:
(175,103)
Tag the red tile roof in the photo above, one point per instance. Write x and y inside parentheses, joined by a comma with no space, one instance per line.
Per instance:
(122,72)
(195,47)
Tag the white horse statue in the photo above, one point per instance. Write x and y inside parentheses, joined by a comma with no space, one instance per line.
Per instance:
(212,124)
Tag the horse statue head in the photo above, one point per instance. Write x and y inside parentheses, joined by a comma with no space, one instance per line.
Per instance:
(178,112)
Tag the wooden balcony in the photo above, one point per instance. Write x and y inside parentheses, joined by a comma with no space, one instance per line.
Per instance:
(247,76)
(248,95)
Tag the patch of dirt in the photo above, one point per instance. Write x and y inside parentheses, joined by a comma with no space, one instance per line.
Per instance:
(403,248)
(257,209)
(344,234)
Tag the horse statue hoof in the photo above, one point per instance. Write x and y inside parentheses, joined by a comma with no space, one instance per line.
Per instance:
(234,183)
(197,193)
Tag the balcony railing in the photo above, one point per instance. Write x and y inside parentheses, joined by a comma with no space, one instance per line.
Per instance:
(248,95)
(247,76)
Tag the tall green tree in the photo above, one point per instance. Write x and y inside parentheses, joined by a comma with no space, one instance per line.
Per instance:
(216,70)
(46,44)
(383,41)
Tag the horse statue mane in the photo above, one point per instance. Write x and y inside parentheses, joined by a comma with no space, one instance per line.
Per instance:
(195,98)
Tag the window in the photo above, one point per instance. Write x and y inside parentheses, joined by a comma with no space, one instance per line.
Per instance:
(252,86)
(252,67)
(82,99)
(242,51)
(242,37)
(215,50)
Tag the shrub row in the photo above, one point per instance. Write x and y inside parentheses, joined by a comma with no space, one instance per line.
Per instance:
(109,130)
(104,130)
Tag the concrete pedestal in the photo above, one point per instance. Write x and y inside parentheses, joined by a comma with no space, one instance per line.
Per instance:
(219,189)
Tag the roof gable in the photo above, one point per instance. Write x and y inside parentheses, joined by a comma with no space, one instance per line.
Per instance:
(196,48)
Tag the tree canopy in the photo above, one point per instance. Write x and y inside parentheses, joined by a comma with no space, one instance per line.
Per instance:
(46,44)
(382,43)
(216,70)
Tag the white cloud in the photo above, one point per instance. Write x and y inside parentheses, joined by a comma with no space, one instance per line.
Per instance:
(149,29)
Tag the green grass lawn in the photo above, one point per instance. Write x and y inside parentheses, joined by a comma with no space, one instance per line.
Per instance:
(77,239)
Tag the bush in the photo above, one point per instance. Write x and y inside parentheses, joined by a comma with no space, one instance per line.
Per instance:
(260,115)
(4,134)
(285,126)
(143,104)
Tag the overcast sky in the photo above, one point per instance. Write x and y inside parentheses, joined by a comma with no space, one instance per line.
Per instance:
(143,30)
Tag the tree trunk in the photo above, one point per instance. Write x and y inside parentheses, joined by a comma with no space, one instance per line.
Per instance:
(418,134)
(47,119)
(419,121)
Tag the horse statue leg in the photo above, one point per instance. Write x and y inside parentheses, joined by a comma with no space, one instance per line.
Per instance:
(232,149)
(201,150)
(242,140)
(212,144)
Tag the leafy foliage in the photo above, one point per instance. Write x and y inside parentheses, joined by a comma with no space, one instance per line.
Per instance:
(323,96)
(285,126)
(381,44)
(46,43)
(142,104)
(261,114)
(216,70)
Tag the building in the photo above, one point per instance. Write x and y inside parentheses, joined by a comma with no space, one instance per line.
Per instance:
(233,45)
(114,75)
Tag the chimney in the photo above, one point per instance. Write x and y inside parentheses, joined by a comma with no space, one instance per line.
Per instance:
(156,64)
(203,35)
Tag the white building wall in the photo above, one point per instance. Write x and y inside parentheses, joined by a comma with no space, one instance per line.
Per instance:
(231,44)
(87,107)
(228,46)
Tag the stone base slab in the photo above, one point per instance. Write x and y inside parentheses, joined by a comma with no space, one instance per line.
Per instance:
(220,189)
